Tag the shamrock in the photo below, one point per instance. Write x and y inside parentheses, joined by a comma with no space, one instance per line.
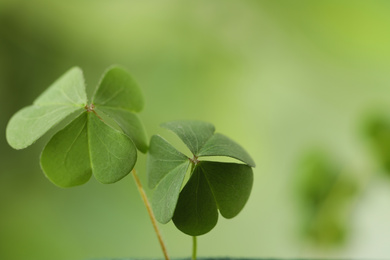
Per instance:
(212,186)
(87,145)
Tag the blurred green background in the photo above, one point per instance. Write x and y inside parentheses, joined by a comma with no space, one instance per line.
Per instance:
(304,86)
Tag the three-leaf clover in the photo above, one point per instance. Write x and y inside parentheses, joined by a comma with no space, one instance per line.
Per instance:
(87,145)
(212,186)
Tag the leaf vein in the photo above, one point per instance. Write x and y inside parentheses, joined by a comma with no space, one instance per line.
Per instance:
(66,96)
(113,96)
(74,141)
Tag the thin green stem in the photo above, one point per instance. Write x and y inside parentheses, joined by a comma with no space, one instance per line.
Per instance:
(150,212)
(194,247)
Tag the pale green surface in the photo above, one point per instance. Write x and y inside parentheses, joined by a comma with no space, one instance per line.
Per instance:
(61,99)
(65,159)
(69,89)
(220,145)
(113,154)
(193,133)
(30,123)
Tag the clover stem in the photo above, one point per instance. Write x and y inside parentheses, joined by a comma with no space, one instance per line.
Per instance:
(150,212)
(194,247)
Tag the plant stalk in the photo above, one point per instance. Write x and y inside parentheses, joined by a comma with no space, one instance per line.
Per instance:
(194,247)
(150,212)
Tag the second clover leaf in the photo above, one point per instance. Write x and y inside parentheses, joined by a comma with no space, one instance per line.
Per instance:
(212,186)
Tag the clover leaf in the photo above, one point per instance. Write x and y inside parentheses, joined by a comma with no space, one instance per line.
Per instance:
(87,145)
(212,186)
(62,98)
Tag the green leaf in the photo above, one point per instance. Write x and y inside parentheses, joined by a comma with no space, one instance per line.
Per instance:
(212,185)
(30,123)
(130,124)
(166,168)
(118,89)
(87,145)
(165,197)
(162,159)
(65,159)
(62,98)
(113,154)
(196,211)
(220,145)
(69,89)
(193,133)
(118,96)
(231,185)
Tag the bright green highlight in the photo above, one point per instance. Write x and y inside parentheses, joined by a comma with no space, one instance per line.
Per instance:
(212,186)
(62,98)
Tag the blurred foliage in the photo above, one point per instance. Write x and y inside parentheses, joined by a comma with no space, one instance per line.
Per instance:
(326,195)
(377,133)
